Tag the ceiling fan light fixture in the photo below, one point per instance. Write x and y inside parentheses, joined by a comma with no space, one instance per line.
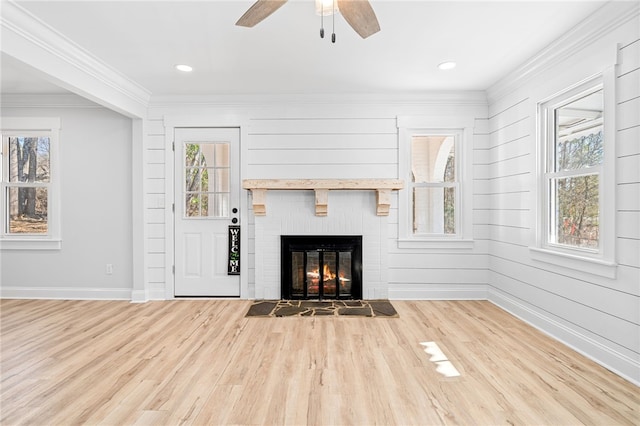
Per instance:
(449,65)
(326,7)
(184,68)
(358,13)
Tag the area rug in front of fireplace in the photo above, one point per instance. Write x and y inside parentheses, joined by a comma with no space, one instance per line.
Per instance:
(314,308)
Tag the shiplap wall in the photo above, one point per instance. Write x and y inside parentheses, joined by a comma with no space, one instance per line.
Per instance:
(596,315)
(440,272)
(308,146)
(328,139)
(315,143)
(155,155)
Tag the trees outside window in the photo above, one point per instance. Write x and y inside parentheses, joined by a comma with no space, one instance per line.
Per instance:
(207,179)
(574,172)
(29,217)
(577,187)
(29,176)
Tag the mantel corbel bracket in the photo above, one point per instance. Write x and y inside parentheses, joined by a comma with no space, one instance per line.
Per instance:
(321,188)
(322,202)
(383,202)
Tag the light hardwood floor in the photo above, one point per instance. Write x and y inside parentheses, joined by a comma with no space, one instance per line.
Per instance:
(203,363)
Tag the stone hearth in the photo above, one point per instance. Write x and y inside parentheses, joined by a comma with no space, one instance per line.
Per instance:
(310,308)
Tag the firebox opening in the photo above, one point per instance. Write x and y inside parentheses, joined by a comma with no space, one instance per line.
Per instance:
(321,267)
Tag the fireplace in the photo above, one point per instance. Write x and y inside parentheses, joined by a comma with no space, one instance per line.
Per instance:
(321,267)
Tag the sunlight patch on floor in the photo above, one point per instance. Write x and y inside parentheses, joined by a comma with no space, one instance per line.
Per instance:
(443,365)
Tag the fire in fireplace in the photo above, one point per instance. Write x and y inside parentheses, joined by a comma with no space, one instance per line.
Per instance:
(321,267)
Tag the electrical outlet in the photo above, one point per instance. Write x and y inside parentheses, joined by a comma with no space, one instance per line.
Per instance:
(109,269)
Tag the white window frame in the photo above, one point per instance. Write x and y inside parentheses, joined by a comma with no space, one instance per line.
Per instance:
(599,261)
(462,129)
(40,127)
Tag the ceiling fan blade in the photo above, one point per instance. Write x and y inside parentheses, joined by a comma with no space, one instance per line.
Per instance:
(360,15)
(259,11)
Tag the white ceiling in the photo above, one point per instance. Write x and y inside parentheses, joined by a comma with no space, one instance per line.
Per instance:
(285,55)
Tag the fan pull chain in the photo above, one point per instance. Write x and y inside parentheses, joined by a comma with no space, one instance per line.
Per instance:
(322,21)
(333,29)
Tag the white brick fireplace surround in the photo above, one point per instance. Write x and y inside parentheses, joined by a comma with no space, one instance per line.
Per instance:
(349,213)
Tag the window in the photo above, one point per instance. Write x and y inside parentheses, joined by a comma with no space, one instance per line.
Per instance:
(574,170)
(435,206)
(30,216)
(206,180)
(577,183)
(434,184)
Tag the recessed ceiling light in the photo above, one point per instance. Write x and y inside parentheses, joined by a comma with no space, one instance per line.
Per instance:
(449,65)
(184,68)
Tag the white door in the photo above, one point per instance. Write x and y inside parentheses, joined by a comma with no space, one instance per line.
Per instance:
(207,190)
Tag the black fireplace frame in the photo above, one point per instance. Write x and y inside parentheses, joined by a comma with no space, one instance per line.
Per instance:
(322,243)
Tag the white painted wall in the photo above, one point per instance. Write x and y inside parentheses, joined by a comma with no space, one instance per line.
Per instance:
(309,137)
(597,316)
(95,156)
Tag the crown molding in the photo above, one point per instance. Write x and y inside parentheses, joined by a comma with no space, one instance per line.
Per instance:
(608,18)
(478,98)
(61,61)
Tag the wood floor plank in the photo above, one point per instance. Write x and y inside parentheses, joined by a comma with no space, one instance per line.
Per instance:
(197,362)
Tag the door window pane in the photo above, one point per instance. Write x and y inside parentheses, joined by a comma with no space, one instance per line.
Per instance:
(207,181)
(192,155)
(221,180)
(193,206)
(220,206)
(206,204)
(193,179)
(222,155)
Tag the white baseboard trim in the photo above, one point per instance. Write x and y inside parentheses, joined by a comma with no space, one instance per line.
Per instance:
(609,358)
(139,296)
(66,293)
(445,292)
(155,294)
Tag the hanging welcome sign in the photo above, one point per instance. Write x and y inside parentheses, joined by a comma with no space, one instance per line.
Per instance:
(234,250)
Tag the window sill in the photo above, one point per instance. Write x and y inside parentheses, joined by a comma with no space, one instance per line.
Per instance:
(598,267)
(439,244)
(30,244)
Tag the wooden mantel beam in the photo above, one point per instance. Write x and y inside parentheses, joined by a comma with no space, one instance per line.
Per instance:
(383,188)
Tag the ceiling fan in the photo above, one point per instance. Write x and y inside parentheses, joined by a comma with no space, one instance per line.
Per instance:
(358,13)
